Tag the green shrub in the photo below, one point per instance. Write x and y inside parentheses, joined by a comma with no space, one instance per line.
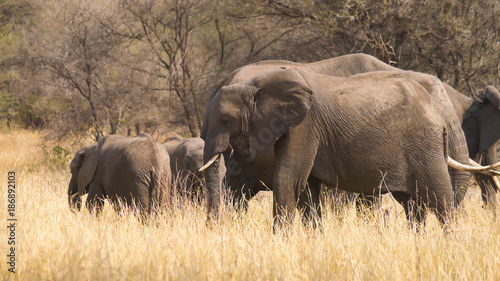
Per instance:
(57,157)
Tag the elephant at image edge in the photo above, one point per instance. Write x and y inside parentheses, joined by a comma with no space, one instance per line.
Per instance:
(481,125)
(186,159)
(321,127)
(246,178)
(133,170)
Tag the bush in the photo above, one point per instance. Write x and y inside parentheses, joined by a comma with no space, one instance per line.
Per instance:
(57,157)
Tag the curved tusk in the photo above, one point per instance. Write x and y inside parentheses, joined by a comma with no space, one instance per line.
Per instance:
(485,168)
(210,162)
(492,173)
(496,181)
(477,169)
(494,178)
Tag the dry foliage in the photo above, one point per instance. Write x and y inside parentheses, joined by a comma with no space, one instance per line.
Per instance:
(128,66)
(56,244)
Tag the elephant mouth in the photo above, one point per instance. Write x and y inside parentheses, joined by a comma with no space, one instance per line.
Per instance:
(238,142)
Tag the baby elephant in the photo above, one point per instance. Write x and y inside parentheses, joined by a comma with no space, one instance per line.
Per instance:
(135,171)
(186,159)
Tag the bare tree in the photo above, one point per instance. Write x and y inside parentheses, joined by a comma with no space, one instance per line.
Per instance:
(85,77)
(119,66)
(164,29)
(455,40)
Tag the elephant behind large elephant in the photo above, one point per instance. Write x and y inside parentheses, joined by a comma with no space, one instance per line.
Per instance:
(131,171)
(481,124)
(186,159)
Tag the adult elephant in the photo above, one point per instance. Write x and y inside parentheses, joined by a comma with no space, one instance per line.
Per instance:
(352,132)
(186,159)
(452,105)
(134,171)
(247,177)
(481,124)
(479,119)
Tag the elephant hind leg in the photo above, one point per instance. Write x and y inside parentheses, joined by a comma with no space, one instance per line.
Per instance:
(415,212)
(309,203)
(368,203)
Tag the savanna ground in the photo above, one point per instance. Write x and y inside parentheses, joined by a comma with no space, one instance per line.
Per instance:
(53,243)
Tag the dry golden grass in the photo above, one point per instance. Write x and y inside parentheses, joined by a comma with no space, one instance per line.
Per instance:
(55,244)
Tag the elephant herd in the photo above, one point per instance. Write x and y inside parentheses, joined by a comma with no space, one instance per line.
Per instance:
(351,122)
(136,171)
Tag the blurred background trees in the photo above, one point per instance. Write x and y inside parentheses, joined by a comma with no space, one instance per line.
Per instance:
(81,67)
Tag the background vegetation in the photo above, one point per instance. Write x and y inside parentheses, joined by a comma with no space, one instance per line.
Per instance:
(80,69)
(86,67)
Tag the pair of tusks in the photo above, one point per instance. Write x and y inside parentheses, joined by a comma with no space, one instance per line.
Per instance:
(474,167)
(494,178)
(487,170)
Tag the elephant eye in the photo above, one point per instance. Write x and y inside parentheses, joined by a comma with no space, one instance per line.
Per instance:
(225,120)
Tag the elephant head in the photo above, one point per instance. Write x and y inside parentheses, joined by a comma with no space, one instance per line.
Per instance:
(482,128)
(489,118)
(491,94)
(250,117)
(83,168)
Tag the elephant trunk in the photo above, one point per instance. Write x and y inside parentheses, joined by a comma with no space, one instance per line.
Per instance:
(211,170)
(211,174)
(489,185)
(74,198)
(457,149)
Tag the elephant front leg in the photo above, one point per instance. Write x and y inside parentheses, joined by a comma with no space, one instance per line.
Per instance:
(295,158)
(309,203)
(415,213)
(95,200)
(284,202)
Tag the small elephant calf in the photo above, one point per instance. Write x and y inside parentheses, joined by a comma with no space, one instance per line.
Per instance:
(135,171)
(186,159)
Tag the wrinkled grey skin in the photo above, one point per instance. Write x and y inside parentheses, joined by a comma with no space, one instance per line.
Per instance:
(321,128)
(134,170)
(479,119)
(186,159)
(246,177)
(481,125)
(345,66)
(173,143)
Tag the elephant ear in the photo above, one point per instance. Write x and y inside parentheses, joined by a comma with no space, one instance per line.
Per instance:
(281,102)
(87,159)
(491,94)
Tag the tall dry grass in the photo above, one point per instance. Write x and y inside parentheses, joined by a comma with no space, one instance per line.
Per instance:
(55,244)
